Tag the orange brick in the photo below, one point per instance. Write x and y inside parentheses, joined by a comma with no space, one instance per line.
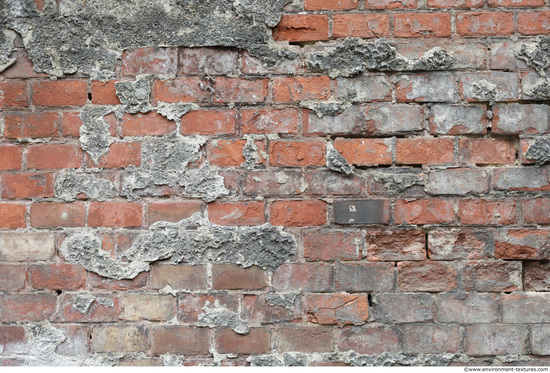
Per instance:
(172,211)
(27,307)
(330,245)
(389,4)
(70,124)
(236,213)
(58,276)
(12,215)
(54,156)
(297,153)
(27,185)
(339,309)
(482,212)
(60,93)
(330,4)
(226,152)
(20,125)
(14,95)
(270,120)
(298,213)
(231,277)
(515,3)
(302,27)
(121,154)
(49,215)
(485,24)
(537,210)
(425,151)
(424,211)
(209,122)
(365,151)
(487,151)
(301,88)
(414,25)
(115,214)
(360,25)
(149,124)
(104,93)
(466,4)
(534,23)
(10,157)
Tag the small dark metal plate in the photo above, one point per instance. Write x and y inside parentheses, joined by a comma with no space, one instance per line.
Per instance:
(368,211)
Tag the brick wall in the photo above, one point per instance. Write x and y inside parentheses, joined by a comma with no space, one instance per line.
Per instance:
(432,249)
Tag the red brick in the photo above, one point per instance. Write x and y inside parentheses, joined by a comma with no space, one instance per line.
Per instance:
(118,339)
(14,95)
(338,309)
(10,157)
(60,93)
(302,27)
(464,4)
(521,244)
(460,244)
(239,90)
(327,182)
(27,307)
(233,277)
(303,276)
(396,245)
(515,3)
(257,341)
(175,339)
(369,340)
(424,211)
(268,183)
(121,154)
(389,4)
(534,23)
(13,339)
(192,305)
(12,277)
(22,68)
(181,276)
(297,153)
(428,338)
(428,276)
(365,152)
(54,156)
(270,120)
(26,185)
(142,306)
(71,123)
(149,124)
(487,151)
(150,61)
(12,215)
(298,213)
(236,213)
(58,276)
(172,211)
(472,308)
(98,282)
(114,214)
(414,25)
(537,276)
(305,339)
(209,122)
(104,93)
(485,24)
(258,311)
(226,152)
(487,212)
(537,210)
(360,25)
(182,89)
(368,277)
(20,125)
(424,151)
(330,244)
(301,88)
(493,276)
(51,215)
(96,313)
(330,4)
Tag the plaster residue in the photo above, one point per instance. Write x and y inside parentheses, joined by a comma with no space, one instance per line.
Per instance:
(336,162)
(218,316)
(484,90)
(135,95)
(354,55)
(286,300)
(396,183)
(95,137)
(83,302)
(537,56)
(322,108)
(70,184)
(195,240)
(539,150)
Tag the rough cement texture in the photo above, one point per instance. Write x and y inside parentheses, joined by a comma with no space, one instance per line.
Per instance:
(135,95)
(539,151)
(286,300)
(79,36)
(69,184)
(322,108)
(537,56)
(83,302)
(336,162)
(95,137)
(218,316)
(194,239)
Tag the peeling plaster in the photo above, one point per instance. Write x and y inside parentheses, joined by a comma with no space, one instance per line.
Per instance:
(218,316)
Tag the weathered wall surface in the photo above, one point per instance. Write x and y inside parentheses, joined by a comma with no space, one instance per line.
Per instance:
(274,182)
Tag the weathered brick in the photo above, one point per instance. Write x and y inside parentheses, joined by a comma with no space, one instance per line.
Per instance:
(13,339)
(364,88)
(369,340)
(302,27)
(209,61)
(54,156)
(175,339)
(257,310)
(149,61)
(396,245)
(522,179)
(430,338)
(330,5)
(97,312)
(22,67)
(475,86)
(236,213)
(536,276)
(301,88)
(230,276)
(115,214)
(323,182)
(394,119)
(147,307)
(59,276)
(414,25)
(366,211)
(104,93)
(503,56)
(269,120)
(525,308)
(424,211)
(496,340)
(12,215)
(485,24)
(403,307)
(458,181)
(27,307)
(460,244)
(368,25)
(338,309)
(516,119)
(303,276)
(365,152)
(181,276)
(429,276)
(521,244)
(14,95)
(190,306)
(539,339)
(49,215)
(238,90)
(60,93)
(11,157)
(253,65)
(76,340)
(455,3)
(118,338)
(350,121)
(24,247)
(257,341)
(432,87)
(537,210)
(467,308)
(172,211)
(298,213)
(458,120)
(391,181)
(188,89)
(533,23)
(269,183)
(331,244)
(12,277)
(305,338)
(377,277)
(209,122)
(30,125)
(148,124)
(487,151)
(487,212)
(493,276)
(424,151)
